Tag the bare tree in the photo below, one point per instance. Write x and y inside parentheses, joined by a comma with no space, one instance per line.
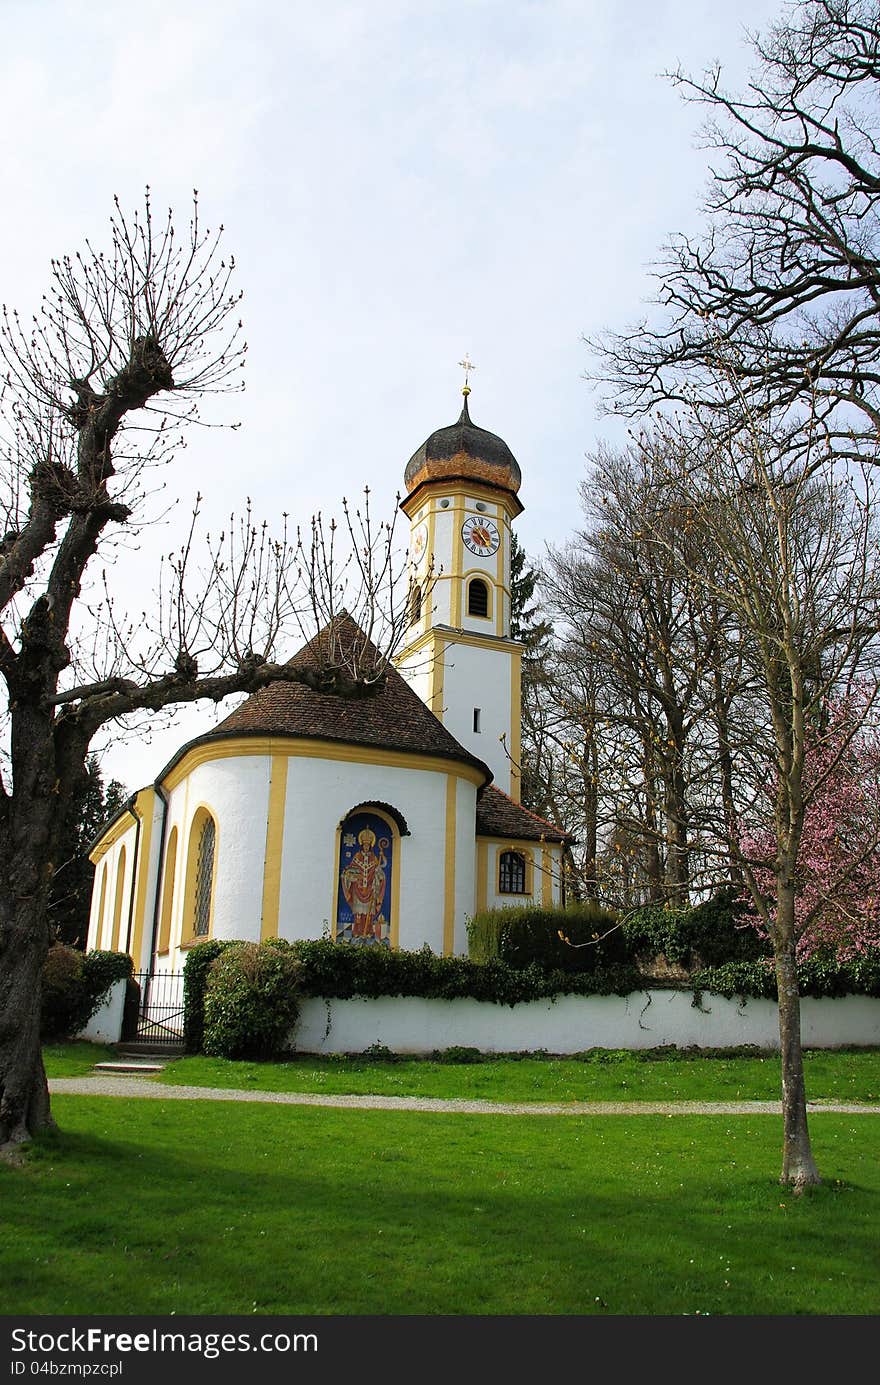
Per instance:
(787,274)
(789,551)
(94,391)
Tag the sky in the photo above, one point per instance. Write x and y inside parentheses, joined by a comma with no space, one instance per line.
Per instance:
(402,183)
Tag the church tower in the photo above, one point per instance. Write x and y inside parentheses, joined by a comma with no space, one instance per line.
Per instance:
(462,486)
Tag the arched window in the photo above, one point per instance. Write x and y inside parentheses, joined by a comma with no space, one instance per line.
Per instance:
(364,893)
(511,873)
(168,892)
(415,605)
(478,597)
(117,906)
(99,922)
(200,862)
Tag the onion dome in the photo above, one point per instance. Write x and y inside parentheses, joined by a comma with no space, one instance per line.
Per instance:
(464,452)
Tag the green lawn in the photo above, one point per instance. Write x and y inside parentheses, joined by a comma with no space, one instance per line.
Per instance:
(216,1207)
(608,1076)
(76,1058)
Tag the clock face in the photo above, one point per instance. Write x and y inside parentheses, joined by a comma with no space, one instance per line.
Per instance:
(419,542)
(481,536)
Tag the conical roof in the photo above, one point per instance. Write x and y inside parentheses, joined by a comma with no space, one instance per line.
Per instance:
(462,451)
(392,718)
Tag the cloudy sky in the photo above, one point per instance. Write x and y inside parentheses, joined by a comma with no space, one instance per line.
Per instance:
(401,182)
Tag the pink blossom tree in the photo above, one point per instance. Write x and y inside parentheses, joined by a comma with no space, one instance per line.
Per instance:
(837,869)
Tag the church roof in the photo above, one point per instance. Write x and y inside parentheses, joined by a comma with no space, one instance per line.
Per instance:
(499,816)
(462,451)
(392,718)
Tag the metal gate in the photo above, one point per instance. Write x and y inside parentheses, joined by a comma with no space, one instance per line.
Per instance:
(160,1011)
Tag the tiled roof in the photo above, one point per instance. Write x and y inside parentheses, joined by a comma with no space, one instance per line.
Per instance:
(499,816)
(392,718)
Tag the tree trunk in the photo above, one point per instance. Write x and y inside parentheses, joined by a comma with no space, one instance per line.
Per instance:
(24,1093)
(798,1166)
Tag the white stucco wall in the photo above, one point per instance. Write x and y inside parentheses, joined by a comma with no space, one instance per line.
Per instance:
(235,791)
(320,793)
(474,676)
(105,1026)
(573,1024)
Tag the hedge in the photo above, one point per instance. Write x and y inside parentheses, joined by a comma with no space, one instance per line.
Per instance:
(74,985)
(251,1000)
(583,937)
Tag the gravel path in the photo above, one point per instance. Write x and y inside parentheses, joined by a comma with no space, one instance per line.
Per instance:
(101,1085)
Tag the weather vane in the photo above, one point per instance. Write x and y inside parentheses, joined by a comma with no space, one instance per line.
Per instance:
(467,366)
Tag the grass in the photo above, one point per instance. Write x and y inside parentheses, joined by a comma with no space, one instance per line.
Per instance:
(75,1058)
(849,1076)
(216,1207)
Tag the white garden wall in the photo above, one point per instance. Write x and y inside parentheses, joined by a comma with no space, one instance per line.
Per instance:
(105,1026)
(571,1024)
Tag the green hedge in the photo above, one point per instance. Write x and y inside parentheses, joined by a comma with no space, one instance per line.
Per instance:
(195,979)
(821,977)
(581,938)
(74,985)
(251,1000)
(336,970)
(709,935)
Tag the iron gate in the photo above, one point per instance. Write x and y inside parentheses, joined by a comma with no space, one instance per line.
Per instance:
(160,1011)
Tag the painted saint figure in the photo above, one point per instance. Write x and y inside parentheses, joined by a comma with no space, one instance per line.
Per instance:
(363,882)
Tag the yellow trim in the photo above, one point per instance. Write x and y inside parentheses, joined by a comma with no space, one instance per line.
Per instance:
(524,849)
(499,580)
(188,937)
(547,877)
(454,487)
(124,823)
(368,807)
(274,845)
(482,874)
(143,806)
(169,876)
(449,863)
(121,861)
(458,518)
(435,677)
(515,747)
(99,923)
(314,749)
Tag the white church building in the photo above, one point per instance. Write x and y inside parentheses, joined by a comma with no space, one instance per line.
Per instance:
(381,821)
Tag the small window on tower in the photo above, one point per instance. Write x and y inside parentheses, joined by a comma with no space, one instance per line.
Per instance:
(477,719)
(415,605)
(478,598)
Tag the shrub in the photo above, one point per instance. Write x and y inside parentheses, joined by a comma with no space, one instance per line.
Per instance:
(74,985)
(339,971)
(251,1000)
(709,935)
(820,976)
(579,939)
(64,994)
(198,964)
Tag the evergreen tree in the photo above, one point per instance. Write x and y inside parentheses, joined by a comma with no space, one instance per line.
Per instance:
(91,807)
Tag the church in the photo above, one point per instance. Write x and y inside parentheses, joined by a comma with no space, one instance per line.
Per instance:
(381,821)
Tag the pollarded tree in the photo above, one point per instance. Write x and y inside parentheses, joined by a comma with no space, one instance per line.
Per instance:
(94,391)
(787,273)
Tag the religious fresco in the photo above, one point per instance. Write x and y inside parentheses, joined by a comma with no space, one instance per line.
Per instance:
(363,901)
